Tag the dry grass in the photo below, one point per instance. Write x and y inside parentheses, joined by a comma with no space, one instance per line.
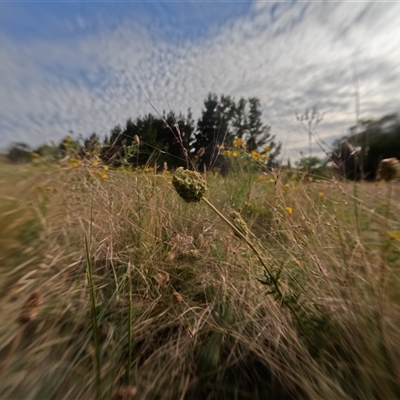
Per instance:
(181,313)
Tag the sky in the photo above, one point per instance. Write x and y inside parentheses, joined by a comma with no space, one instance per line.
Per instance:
(86,66)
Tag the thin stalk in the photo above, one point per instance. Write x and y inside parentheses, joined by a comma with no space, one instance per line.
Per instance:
(130,323)
(384,234)
(270,274)
(95,326)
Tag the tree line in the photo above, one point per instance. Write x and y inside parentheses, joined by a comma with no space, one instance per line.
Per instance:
(357,156)
(176,139)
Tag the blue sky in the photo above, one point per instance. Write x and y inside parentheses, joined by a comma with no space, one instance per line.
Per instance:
(87,66)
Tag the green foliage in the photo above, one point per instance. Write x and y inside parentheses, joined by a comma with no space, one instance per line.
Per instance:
(358,155)
(69,147)
(47,152)
(223,122)
(19,153)
(313,166)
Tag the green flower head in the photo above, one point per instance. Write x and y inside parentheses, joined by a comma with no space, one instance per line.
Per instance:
(190,185)
(239,223)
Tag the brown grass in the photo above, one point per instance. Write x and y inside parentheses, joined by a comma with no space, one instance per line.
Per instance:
(202,325)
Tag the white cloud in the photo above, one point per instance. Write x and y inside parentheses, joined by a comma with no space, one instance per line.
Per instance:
(295,57)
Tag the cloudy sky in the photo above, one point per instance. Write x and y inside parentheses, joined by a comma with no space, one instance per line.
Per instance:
(86,66)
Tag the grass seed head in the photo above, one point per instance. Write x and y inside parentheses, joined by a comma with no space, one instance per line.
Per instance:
(239,223)
(177,297)
(30,309)
(389,169)
(189,185)
(124,393)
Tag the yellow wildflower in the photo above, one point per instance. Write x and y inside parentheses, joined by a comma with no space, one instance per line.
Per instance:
(255,154)
(238,142)
(321,194)
(235,154)
(286,185)
(105,168)
(394,235)
(271,180)
(73,163)
(267,149)
(289,210)
(103,175)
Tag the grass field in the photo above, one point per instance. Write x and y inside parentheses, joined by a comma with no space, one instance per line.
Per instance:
(113,287)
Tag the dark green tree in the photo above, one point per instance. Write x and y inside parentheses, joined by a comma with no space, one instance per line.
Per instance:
(358,156)
(19,153)
(214,129)
(112,151)
(175,134)
(239,122)
(259,135)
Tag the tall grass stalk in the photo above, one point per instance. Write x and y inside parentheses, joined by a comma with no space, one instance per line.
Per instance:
(272,277)
(130,326)
(93,310)
(384,235)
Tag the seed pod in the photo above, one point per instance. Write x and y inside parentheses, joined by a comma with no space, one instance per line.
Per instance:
(124,393)
(389,169)
(30,309)
(201,152)
(177,297)
(190,185)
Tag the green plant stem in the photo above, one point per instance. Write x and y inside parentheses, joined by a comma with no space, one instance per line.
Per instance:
(267,270)
(270,274)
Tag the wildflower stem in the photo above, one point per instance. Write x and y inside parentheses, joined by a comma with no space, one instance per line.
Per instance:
(95,326)
(250,244)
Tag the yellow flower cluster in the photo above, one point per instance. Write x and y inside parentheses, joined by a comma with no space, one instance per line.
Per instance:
(258,156)
(231,153)
(239,146)
(267,149)
(73,163)
(102,175)
(394,235)
(238,142)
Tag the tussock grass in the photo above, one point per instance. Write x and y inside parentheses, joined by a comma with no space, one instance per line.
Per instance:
(173,298)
